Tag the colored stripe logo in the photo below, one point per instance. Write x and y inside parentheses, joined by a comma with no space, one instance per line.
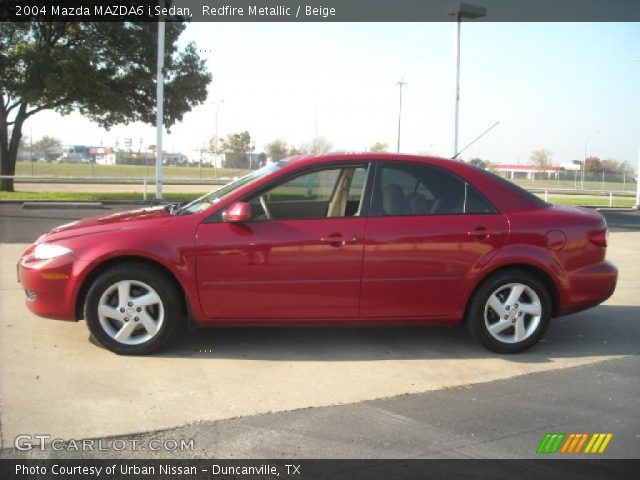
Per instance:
(573,443)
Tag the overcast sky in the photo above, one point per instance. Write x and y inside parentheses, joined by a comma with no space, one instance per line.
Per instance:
(551,85)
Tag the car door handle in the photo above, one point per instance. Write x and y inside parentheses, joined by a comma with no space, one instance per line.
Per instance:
(338,240)
(482,232)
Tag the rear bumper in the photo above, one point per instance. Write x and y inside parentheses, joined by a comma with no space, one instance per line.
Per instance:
(589,287)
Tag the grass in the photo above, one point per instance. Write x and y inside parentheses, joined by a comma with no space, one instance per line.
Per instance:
(86,170)
(628,186)
(592,201)
(92,196)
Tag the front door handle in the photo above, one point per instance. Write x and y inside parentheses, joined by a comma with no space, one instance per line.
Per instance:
(482,232)
(338,239)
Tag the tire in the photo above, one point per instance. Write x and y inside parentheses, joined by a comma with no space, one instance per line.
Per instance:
(509,312)
(144,320)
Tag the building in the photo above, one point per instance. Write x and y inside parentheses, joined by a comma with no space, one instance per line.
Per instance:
(526,171)
(103,155)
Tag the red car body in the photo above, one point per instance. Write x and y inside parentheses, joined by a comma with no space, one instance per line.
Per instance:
(410,269)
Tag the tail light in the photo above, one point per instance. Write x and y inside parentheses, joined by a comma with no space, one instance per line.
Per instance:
(600,237)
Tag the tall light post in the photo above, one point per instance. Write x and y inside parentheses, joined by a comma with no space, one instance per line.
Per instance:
(401,84)
(638,183)
(159,107)
(584,160)
(215,145)
(460,11)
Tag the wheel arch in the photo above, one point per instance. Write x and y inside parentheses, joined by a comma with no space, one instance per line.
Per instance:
(536,271)
(101,267)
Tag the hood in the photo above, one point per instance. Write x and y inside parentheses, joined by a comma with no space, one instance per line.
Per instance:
(103,223)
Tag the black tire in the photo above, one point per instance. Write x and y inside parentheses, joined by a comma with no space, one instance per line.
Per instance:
(536,327)
(145,279)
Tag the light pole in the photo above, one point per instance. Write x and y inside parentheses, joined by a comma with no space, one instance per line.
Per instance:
(159,107)
(460,11)
(401,83)
(584,160)
(638,183)
(215,144)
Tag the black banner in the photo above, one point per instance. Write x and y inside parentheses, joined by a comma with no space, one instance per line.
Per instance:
(321,11)
(317,469)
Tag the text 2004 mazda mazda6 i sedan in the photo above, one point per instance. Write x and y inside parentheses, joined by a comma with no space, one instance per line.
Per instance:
(348,238)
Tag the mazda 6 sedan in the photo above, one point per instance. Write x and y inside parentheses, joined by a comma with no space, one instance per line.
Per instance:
(332,239)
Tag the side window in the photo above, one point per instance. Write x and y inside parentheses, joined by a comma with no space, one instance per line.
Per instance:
(412,189)
(314,186)
(334,192)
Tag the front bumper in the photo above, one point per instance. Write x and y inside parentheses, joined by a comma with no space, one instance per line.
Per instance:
(50,286)
(589,287)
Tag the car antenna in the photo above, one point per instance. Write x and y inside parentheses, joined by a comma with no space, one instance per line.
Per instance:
(476,139)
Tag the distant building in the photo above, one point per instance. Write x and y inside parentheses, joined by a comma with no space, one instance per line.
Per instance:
(103,155)
(75,154)
(526,171)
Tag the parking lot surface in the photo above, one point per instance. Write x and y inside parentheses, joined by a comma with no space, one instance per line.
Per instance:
(329,380)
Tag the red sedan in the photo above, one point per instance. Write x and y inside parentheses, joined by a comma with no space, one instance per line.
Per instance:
(339,238)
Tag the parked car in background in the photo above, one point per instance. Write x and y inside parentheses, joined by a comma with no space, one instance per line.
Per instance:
(338,238)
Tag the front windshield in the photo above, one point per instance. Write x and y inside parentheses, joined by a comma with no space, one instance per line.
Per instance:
(214,197)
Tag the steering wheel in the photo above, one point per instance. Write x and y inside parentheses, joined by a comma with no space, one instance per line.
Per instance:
(263,203)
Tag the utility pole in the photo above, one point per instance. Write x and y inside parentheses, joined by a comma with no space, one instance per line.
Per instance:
(401,83)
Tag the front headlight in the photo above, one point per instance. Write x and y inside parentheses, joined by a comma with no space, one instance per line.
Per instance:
(47,251)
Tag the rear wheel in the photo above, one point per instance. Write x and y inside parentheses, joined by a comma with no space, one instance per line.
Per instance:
(510,311)
(132,309)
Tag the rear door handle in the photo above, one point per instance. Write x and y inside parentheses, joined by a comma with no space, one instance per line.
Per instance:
(338,239)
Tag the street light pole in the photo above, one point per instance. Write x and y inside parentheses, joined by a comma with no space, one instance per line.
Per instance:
(159,108)
(457,92)
(401,83)
(460,11)
(584,161)
(638,183)
(215,145)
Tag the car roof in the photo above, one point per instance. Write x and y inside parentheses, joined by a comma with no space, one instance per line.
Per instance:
(298,160)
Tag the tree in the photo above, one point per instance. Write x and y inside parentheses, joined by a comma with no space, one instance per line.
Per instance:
(104,70)
(277,150)
(318,145)
(47,142)
(541,158)
(379,147)
(478,162)
(236,147)
(293,151)
(592,164)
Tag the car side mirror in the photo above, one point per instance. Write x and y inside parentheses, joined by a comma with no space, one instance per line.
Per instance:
(237,213)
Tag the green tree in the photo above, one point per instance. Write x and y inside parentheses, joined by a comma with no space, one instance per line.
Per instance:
(541,158)
(379,147)
(478,162)
(293,151)
(318,145)
(276,150)
(236,148)
(104,70)
(47,142)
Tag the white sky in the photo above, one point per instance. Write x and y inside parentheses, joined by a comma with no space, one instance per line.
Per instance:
(551,85)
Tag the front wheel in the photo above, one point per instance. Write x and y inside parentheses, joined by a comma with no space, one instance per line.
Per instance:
(509,312)
(132,309)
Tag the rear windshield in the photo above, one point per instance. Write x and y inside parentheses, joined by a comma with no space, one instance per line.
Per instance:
(516,188)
